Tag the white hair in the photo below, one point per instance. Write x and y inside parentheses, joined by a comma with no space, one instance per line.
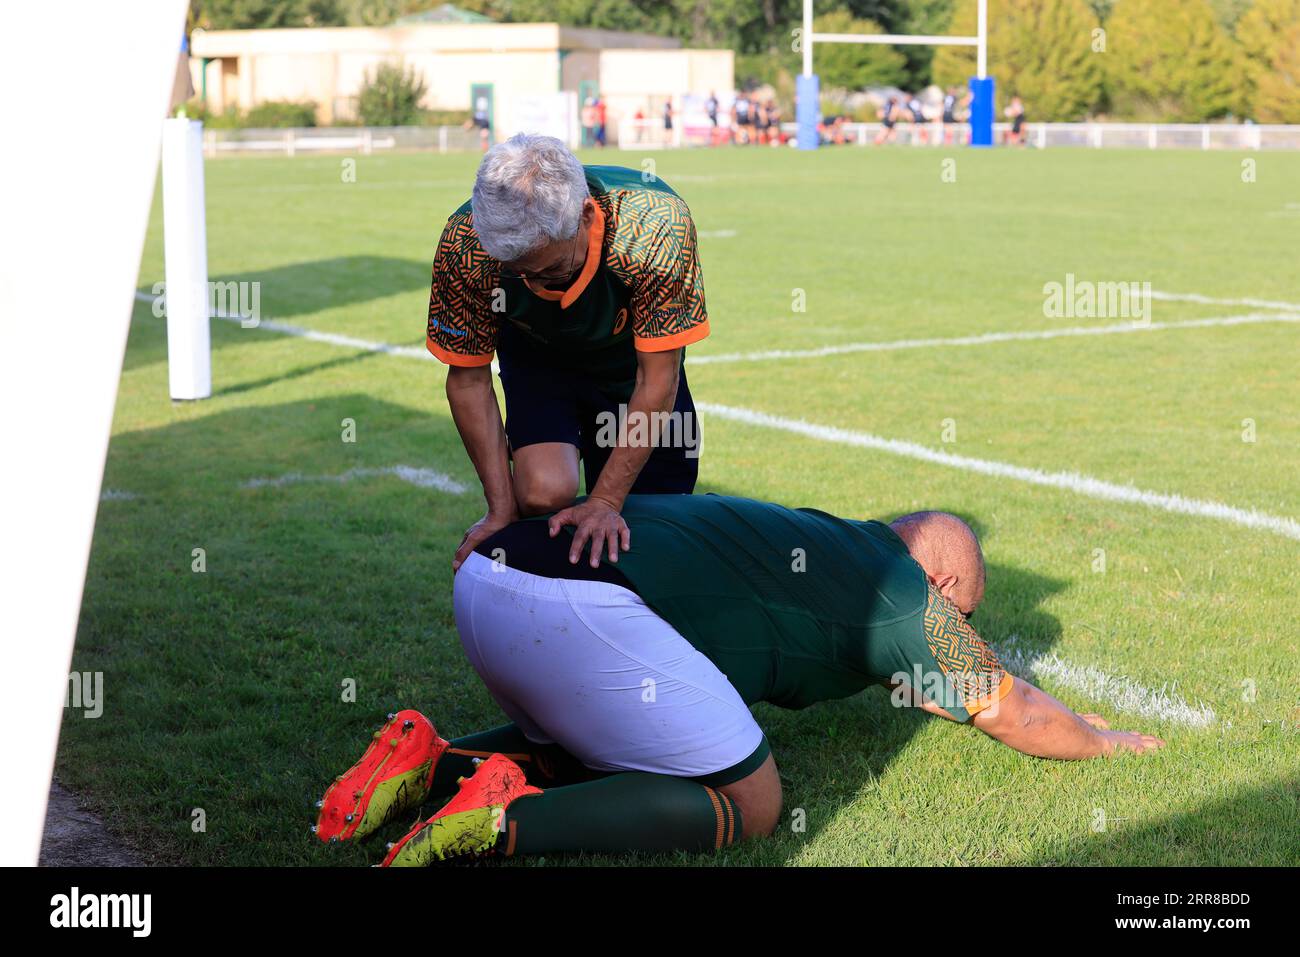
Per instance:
(529,191)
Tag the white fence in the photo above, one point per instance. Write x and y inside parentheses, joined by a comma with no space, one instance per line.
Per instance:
(650,134)
(340,139)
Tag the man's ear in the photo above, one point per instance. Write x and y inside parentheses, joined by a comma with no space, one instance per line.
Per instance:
(588,211)
(945,583)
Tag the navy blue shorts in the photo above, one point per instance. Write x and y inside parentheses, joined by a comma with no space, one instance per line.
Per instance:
(545,404)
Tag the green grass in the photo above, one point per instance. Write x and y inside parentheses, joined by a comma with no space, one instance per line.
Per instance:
(223,689)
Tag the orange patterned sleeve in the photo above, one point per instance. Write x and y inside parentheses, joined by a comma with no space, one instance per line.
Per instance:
(462,328)
(668,302)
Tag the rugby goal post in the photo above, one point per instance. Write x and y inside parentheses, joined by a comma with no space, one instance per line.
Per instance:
(808,87)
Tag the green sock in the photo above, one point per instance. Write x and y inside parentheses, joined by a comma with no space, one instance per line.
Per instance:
(545,765)
(632,811)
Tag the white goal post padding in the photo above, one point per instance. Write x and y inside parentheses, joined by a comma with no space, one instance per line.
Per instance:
(76,203)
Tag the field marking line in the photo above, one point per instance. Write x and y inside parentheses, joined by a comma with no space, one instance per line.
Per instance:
(987,338)
(416,352)
(1212,301)
(420,477)
(1068,481)
(329,338)
(1118,691)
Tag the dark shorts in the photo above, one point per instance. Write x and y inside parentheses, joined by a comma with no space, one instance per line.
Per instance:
(544,404)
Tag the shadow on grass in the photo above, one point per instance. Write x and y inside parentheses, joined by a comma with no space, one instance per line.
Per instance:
(232,693)
(297,289)
(1254,827)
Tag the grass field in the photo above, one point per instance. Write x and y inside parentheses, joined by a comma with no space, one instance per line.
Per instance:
(223,689)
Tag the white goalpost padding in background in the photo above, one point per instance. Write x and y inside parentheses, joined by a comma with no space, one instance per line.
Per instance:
(75,211)
(185,249)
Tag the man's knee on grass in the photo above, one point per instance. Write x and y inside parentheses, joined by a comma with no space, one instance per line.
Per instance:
(758,796)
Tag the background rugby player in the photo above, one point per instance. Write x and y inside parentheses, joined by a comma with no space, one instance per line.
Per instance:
(585,282)
(643,674)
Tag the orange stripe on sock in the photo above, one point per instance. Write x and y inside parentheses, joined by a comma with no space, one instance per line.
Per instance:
(731,818)
(717,809)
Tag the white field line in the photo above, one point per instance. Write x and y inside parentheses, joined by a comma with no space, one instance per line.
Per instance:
(330,338)
(988,338)
(1212,301)
(1118,691)
(1069,481)
(423,478)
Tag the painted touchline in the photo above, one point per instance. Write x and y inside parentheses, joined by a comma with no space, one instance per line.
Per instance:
(421,477)
(1119,691)
(1069,481)
(988,338)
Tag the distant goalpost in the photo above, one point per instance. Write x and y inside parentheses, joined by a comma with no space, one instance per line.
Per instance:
(808,87)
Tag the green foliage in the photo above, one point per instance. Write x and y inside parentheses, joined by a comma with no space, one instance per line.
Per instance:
(281,113)
(1267,41)
(264,14)
(390,96)
(1169,61)
(1277,99)
(1041,50)
(853,66)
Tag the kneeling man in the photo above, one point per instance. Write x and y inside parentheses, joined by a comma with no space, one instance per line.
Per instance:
(629,686)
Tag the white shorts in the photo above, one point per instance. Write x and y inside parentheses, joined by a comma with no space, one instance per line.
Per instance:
(589,666)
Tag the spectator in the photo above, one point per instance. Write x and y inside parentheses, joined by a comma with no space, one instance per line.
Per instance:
(600,122)
(888,119)
(589,119)
(1015,112)
(917,109)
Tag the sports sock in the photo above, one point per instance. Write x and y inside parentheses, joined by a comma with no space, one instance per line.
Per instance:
(632,811)
(545,765)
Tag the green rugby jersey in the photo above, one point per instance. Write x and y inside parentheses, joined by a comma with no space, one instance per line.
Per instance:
(640,289)
(797,606)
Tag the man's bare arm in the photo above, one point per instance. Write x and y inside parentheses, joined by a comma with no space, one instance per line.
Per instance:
(1033,722)
(478,419)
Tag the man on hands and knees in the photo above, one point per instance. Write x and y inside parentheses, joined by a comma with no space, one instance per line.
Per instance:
(629,687)
(585,283)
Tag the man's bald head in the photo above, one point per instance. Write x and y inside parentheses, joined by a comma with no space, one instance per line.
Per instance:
(947,549)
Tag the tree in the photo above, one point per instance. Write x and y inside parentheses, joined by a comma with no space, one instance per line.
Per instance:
(264,14)
(1262,35)
(1040,50)
(391,96)
(1169,60)
(855,66)
(1277,99)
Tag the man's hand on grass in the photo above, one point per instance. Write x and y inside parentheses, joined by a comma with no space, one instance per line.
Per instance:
(1122,740)
(598,521)
(484,528)
(1129,741)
